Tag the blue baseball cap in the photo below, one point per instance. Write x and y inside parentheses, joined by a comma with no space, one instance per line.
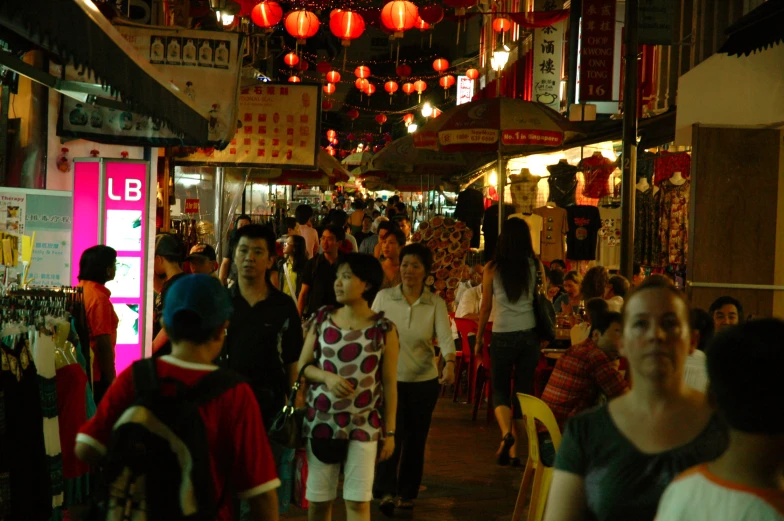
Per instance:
(202,295)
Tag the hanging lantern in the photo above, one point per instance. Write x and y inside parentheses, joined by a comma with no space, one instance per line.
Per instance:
(330,151)
(352,114)
(431,14)
(370,89)
(408,88)
(362,72)
(334,141)
(331,134)
(446,82)
(408,118)
(460,7)
(323,67)
(291,59)
(380,119)
(326,105)
(421,24)
(303,65)
(391,88)
(420,86)
(502,25)
(404,71)
(294,79)
(266,14)
(440,65)
(333,76)
(399,16)
(436,112)
(472,74)
(361,84)
(329,89)
(301,25)
(346,25)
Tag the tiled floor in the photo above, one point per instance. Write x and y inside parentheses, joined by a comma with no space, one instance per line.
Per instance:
(462,481)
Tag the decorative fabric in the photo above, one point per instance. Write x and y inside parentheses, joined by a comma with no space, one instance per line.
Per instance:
(597,170)
(43,347)
(646,226)
(563,184)
(668,163)
(674,224)
(357,356)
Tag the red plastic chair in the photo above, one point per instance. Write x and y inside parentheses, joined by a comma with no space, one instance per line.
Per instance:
(465,363)
(483,380)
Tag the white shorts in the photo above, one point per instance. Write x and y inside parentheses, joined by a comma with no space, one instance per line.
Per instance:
(358,471)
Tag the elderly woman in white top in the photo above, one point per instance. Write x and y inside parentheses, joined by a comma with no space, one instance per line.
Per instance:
(508,285)
(420,317)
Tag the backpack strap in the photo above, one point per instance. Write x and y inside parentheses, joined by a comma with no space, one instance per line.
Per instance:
(145,377)
(213,385)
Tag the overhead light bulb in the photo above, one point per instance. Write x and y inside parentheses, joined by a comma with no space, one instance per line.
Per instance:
(412,128)
(493,178)
(427,110)
(227,19)
(501,57)
(218,15)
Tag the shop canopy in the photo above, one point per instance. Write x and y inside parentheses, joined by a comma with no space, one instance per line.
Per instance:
(76,32)
(329,172)
(760,29)
(402,156)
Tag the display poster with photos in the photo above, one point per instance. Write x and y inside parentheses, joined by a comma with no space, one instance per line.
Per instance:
(204,65)
(12,226)
(280,128)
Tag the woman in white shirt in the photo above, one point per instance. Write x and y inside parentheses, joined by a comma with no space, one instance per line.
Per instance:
(508,285)
(420,317)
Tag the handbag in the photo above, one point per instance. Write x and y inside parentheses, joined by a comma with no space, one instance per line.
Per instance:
(286,428)
(543,311)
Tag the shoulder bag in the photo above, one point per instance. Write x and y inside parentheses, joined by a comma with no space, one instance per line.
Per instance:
(543,310)
(286,428)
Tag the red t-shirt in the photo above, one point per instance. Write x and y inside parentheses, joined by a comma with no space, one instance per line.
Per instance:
(235,432)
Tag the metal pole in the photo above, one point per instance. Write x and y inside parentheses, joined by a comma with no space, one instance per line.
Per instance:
(628,177)
(501,184)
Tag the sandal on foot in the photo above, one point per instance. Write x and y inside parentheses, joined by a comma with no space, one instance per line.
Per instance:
(503,454)
(387,505)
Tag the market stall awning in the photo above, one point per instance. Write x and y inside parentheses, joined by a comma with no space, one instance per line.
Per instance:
(402,156)
(760,29)
(76,32)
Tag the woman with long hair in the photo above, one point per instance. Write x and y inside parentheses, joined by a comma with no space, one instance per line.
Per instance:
(391,245)
(292,265)
(615,461)
(595,282)
(355,352)
(568,302)
(509,282)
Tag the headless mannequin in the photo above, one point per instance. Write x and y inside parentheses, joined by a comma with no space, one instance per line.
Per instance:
(677,179)
(642,185)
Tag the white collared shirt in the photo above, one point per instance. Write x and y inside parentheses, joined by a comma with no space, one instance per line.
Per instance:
(417,326)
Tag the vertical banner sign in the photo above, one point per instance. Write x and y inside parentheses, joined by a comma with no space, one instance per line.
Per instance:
(597,45)
(465,89)
(548,54)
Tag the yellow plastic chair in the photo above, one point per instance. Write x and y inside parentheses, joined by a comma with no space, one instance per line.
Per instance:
(535,409)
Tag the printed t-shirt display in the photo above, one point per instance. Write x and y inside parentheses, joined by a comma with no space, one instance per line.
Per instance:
(563,184)
(555,225)
(535,224)
(597,170)
(608,253)
(584,225)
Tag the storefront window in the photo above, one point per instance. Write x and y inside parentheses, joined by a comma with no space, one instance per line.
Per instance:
(193,214)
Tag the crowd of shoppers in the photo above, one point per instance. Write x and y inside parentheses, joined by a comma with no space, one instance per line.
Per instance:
(377,347)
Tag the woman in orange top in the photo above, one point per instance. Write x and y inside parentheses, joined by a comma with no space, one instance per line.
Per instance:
(97,266)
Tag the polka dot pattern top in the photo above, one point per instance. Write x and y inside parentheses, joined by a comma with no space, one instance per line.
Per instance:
(357,356)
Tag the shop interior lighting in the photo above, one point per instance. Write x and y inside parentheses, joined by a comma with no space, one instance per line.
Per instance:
(493,180)
(427,110)
(412,128)
(227,19)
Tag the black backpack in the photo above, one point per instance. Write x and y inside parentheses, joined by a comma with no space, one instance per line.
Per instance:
(158,463)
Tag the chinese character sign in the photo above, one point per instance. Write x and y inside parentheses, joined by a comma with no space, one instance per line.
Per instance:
(191,205)
(465,89)
(280,125)
(548,53)
(597,45)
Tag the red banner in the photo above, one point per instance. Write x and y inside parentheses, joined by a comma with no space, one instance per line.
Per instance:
(191,206)
(597,45)
(532,137)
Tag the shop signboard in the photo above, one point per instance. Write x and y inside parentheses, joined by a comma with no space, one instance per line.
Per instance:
(548,55)
(597,46)
(656,20)
(465,89)
(191,206)
(280,128)
(204,65)
(112,206)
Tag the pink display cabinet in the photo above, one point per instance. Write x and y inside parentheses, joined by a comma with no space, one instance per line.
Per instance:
(112,207)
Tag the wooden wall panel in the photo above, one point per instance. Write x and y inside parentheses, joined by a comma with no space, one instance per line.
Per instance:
(734,209)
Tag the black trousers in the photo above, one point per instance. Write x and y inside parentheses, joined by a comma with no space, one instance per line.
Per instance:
(401,474)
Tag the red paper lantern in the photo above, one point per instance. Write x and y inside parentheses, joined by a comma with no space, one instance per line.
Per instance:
(502,25)
(399,16)
(330,151)
(329,89)
(361,84)
(331,134)
(472,74)
(420,86)
(334,141)
(266,14)
(460,6)
(370,89)
(333,76)
(390,87)
(362,72)
(352,114)
(294,79)
(301,25)
(431,14)
(421,24)
(440,65)
(408,88)
(404,71)
(291,59)
(408,118)
(446,81)
(326,105)
(381,119)
(303,65)
(323,67)
(347,25)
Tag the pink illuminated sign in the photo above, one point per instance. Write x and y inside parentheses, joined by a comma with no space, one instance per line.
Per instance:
(111,207)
